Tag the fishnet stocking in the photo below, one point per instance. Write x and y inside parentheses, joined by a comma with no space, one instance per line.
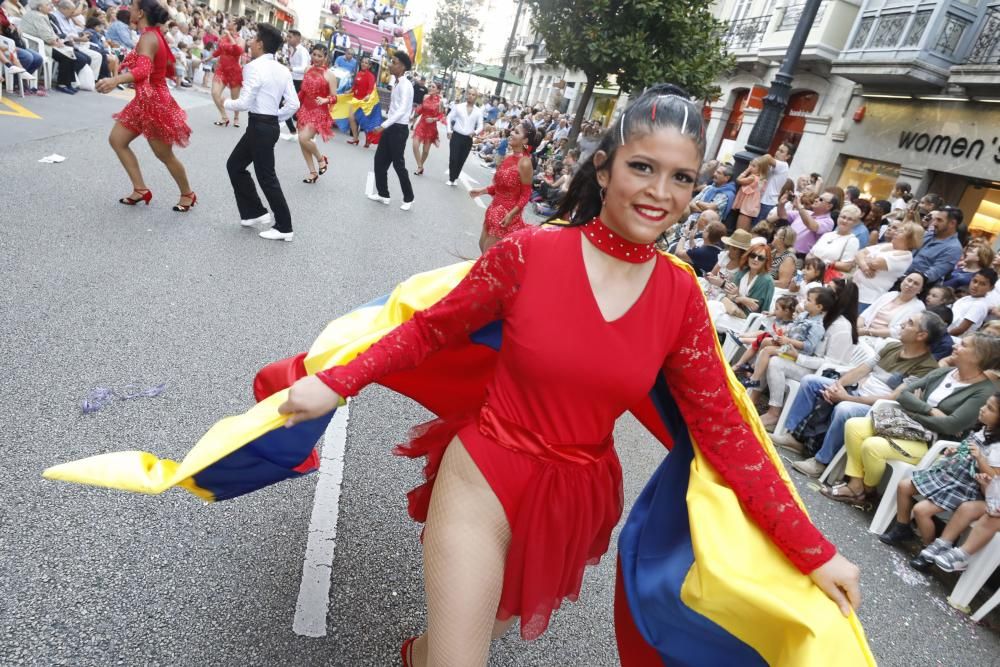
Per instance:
(465,546)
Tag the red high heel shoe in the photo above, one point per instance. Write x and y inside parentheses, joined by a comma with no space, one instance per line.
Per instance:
(144,195)
(222,123)
(353,142)
(182,208)
(406,651)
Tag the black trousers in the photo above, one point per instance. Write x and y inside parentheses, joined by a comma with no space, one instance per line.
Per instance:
(392,149)
(458,152)
(290,123)
(68,67)
(257,147)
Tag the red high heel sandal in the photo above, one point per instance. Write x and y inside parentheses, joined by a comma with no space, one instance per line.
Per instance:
(406,652)
(144,195)
(353,142)
(182,208)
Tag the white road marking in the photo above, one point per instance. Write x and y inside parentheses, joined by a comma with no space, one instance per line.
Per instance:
(467,181)
(314,590)
(370,183)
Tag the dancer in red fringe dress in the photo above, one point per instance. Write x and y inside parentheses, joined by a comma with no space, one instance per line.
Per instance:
(152,113)
(425,123)
(511,188)
(317,94)
(523,494)
(228,71)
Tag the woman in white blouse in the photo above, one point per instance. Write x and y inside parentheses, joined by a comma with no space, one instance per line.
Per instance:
(879,266)
(885,317)
(838,248)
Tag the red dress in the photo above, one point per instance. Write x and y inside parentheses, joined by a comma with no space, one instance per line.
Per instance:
(229,71)
(543,437)
(153,113)
(507,191)
(314,115)
(364,84)
(428,115)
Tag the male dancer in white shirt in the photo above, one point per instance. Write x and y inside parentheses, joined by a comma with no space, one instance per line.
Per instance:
(395,130)
(464,122)
(298,62)
(265,83)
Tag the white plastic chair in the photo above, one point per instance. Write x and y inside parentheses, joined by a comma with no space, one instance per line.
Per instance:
(753,322)
(981,567)
(38,46)
(901,470)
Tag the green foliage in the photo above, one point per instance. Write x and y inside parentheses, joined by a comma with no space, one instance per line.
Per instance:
(450,42)
(640,42)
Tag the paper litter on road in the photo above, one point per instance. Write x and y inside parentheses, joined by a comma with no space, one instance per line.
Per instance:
(52,159)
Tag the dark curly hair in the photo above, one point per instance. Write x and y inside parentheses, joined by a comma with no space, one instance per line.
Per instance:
(155,13)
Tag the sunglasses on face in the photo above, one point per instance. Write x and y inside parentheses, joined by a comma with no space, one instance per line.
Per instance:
(759,258)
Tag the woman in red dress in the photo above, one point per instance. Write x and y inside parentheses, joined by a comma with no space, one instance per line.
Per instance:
(511,188)
(317,94)
(364,84)
(228,71)
(523,494)
(152,113)
(426,119)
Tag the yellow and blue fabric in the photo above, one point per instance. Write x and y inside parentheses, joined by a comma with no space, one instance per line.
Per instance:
(367,112)
(698,582)
(413,41)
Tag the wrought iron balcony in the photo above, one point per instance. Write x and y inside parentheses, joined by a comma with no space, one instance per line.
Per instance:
(745,34)
(986,50)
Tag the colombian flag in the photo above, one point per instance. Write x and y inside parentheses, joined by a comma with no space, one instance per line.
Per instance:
(368,112)
(698,582)
(413,41)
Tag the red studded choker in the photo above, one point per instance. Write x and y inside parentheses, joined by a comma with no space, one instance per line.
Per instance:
(616,245)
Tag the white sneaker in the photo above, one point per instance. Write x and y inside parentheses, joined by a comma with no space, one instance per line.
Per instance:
(451,183)
(261,220)
(406,206)
(275,235)
(375,197)
(290,137)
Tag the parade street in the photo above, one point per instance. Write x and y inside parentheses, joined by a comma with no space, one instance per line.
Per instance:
(100,295)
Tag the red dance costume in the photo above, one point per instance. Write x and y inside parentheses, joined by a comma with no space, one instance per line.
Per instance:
(364,84)
(428,115)
(153,113)
(508,192)
(228,70)
(543,437)
(310,114)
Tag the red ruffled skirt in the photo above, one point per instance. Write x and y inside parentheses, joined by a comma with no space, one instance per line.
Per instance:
(155,114)
(426,132)
(318,118)
(229,72)
(562,503)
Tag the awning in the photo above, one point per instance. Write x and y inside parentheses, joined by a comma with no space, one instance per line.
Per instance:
(492,72)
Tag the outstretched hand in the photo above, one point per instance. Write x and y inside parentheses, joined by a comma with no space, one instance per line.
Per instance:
(308,399)
(840,579)
(105,85)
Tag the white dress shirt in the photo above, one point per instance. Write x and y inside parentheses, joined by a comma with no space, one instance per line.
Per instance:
(265,83)
(342,41)
(462,121)
(298,62)
(402,103)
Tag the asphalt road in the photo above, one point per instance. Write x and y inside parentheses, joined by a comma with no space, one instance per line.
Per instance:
(99,295)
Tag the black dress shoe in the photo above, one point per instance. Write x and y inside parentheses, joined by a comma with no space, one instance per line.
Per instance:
(919,564)
(897,534)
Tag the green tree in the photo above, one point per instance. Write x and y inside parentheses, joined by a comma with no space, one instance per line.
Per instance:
(640,42)
(449,41)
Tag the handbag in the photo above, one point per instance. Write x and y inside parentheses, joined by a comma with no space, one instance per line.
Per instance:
(891,421)
(831,273)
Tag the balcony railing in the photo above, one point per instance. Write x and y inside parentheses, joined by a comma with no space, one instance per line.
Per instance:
(745,34)
(986,50)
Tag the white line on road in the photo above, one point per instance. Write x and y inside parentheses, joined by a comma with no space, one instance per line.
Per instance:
(370,183)
(314,590)
(467,181)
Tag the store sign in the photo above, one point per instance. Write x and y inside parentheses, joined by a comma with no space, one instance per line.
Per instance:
(960,138)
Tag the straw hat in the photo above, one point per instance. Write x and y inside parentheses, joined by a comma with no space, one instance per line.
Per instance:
(740,239)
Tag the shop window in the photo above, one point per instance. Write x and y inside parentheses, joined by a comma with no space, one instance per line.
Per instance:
(985,203)
(735,120)
(793,123)
(875,179)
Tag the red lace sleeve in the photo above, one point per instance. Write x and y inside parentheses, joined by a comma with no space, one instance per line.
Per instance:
(140,66)
(697,380)
(525,197)
(491,189)
(483,296)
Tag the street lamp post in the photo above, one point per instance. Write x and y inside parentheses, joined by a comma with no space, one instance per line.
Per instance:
(777,97)
(510,45)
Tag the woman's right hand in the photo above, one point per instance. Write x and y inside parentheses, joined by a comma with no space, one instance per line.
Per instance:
(105,85)
(308,399)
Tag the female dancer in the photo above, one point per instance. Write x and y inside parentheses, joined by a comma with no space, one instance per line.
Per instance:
(428,115)
(511,188)
(317,95)
(523,494)
(228,70)
(153,113)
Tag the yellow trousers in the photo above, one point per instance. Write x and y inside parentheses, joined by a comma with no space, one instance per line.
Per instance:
(868,453)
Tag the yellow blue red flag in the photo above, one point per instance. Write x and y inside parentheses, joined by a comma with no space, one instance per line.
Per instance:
(367,112)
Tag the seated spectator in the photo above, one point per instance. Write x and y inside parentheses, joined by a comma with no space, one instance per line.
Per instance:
(14,8)
(877,221)
(838,248)
(941,248)
(948,484)
(69,59)
(946,402)
(880,266)
(902,193)
(977,256)
(956,559)
(838,341)
(119,33)
(884,318)
(970,311)
(919,211)
(853,394)
(95,32)
(716,197)
(63,22)
(774,326)
(21,56)
(785,196)
(751,288)
(944,347)
(811,276)
(705,256)
(809,222)
(731,258)
(783,258)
